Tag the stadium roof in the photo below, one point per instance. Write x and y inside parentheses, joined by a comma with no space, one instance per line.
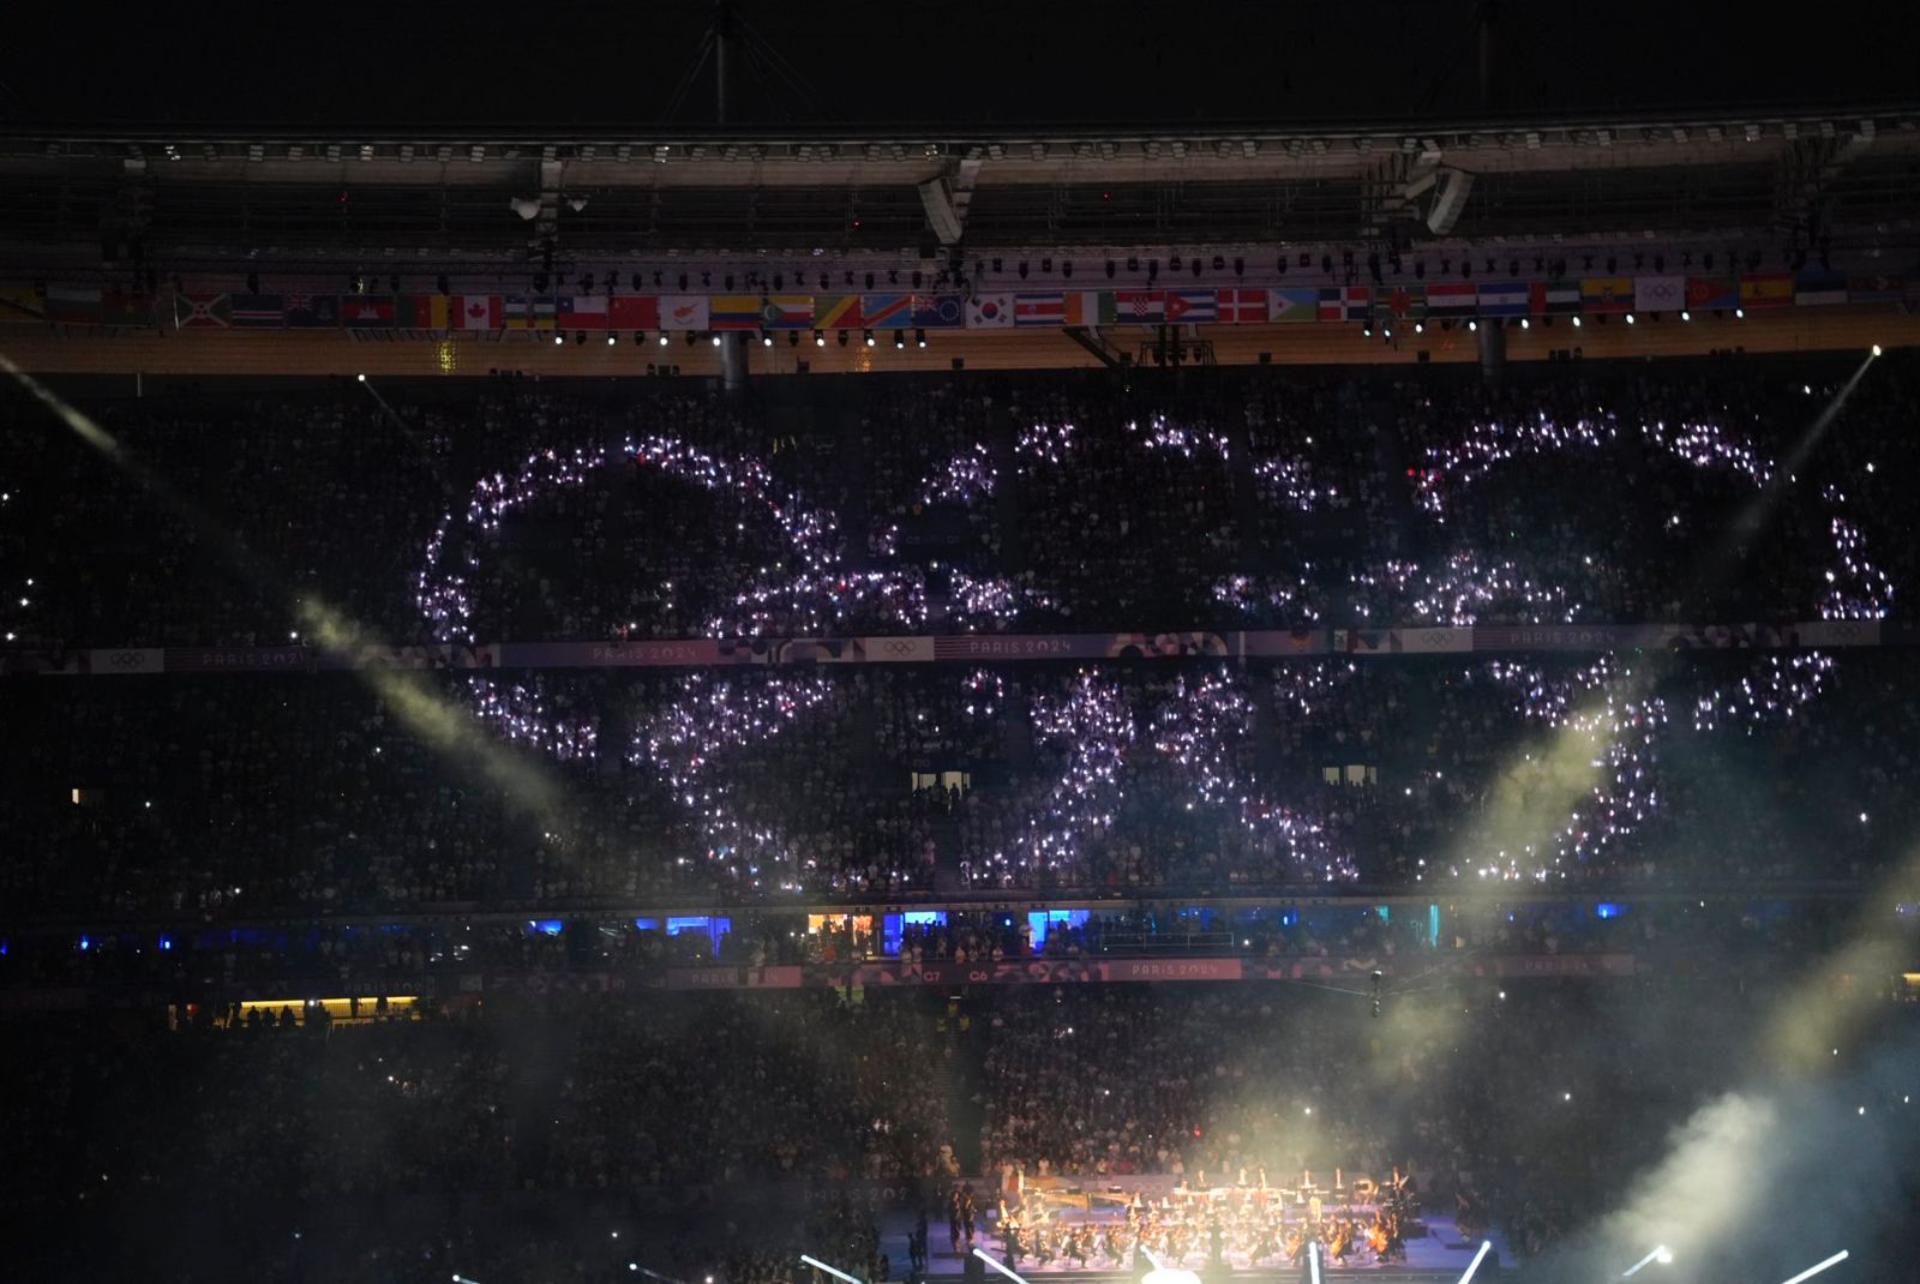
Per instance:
(992,64)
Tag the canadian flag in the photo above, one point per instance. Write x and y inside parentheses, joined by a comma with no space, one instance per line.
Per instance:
(477,312)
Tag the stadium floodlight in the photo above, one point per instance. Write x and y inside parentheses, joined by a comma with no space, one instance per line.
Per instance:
(1526,323)
(1876,349)
(1002,1267)
(819,338)
(1739,314)
(559,338)
(663,338)
(869,335)
(834,1271)
(1660,1254)
(1472,325)
(1815,1269)
(611,339)
(1685,315)
(920,340)
(716,340)
(899,339)
(1486,1245)
(1629,318)
(1576,321)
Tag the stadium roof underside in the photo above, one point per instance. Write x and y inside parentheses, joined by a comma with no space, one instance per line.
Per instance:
(1841,181)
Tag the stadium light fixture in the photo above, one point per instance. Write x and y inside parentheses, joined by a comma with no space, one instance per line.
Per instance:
(362,378)
(869,338)
(1366,332)
(1739,314)
(899,339)
(1473,326)
(1526,323)
(612,338)
(819,338)
(1815,1269)
(1419,327)
(663,338)
(1576,322)
(1629,318)
(1485,1246)
(1876,349)
(920,340)
(716,340)
(766,339)
(559,339)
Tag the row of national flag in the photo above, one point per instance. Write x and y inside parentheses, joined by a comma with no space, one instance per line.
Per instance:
(1199,305)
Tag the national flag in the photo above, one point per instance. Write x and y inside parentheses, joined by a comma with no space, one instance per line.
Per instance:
(838,312)
(416,311)
(1241,307)
(734,312)
(312,311)
(684,312)
(990,312)
(1811,288)
(1039,309)
(22,303)
(76,304)
(1710,293)
(581,312)
(1293,304)
(1191,307)
(365,311)
(1412,302)
(787,311)
(1139,307)
(1345,303)
(127,309)
(886,311)
(1505,299)
(200,311)
(1860,289)
(1606,293)
(1654,294)
(633,312)
(1452,299)
(1089,308)
(258,311)
(1545,298)
(938,311)
(522,313)
(475,312)
(1766,290)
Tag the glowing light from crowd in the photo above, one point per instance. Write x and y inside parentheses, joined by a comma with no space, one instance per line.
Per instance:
(685,743)
(1289,599)
(1160,435)
(966,477)
(1783,686)
(997,600)
(1045,443)
(1094,727)
(1203,729)
(1290,483)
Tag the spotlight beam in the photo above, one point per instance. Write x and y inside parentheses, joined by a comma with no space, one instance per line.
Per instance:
(1313,1259)
(1002,1267)
(1485,1246)
(1814,1270)
(834,1271)
(1643,1263)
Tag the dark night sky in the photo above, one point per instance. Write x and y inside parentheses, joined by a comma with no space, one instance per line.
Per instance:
(975,62)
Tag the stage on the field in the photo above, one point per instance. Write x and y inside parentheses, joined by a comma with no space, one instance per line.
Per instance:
(1440,1252)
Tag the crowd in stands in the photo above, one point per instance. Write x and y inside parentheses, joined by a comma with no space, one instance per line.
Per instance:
(1217,499)
(230,795)
(472,1119)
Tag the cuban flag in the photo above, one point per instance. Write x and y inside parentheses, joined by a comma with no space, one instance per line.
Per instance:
(1191,307)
